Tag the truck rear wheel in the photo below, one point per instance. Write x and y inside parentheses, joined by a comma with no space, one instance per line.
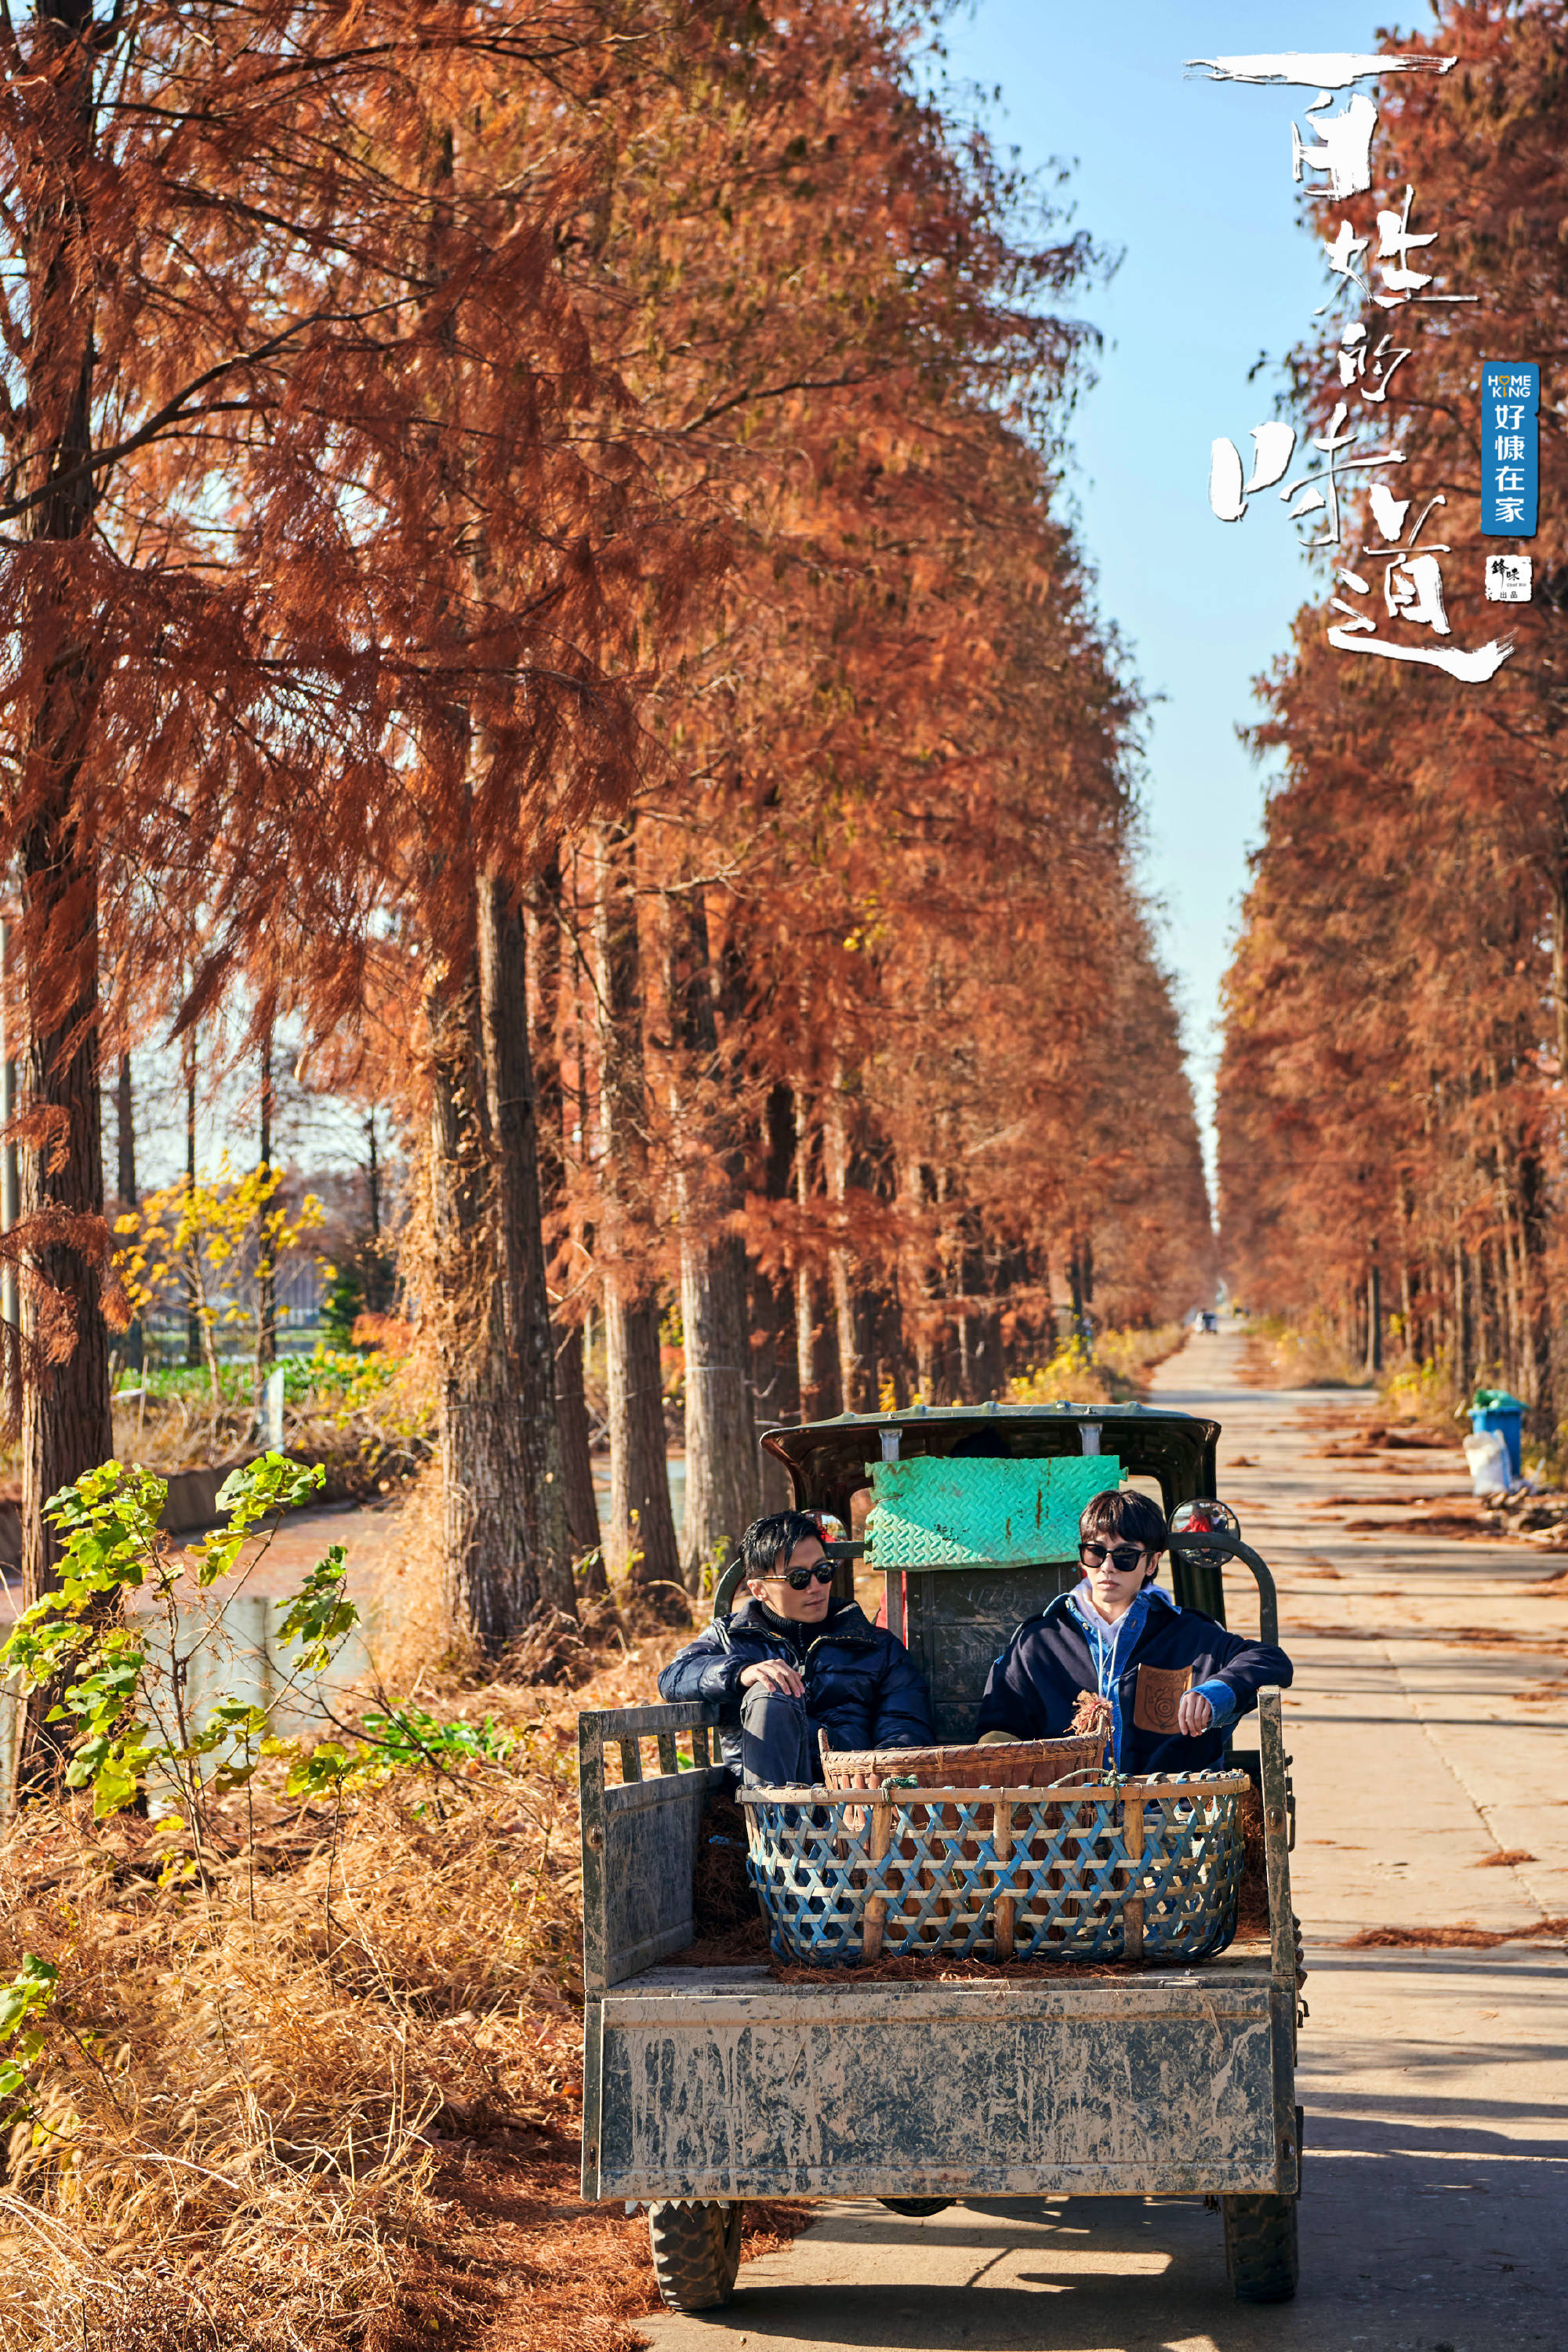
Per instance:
(1260,2258)
(696,2250)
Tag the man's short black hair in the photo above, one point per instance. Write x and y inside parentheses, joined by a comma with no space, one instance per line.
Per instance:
(1122,1514)
(767,1543)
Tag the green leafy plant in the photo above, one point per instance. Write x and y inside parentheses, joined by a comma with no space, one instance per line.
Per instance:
(391,1739)
(23,2000)
(131,1723)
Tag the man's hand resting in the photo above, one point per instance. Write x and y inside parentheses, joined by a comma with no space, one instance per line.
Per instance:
(1193,1714)
(771,1674)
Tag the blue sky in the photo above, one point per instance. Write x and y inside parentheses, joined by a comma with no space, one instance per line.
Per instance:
(1192,179)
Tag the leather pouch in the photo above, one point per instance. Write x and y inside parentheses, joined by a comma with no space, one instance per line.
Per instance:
(1160,1688)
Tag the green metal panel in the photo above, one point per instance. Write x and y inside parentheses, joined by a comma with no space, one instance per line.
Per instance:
(935,1513)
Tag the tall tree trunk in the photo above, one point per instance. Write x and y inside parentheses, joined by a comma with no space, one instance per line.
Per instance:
(530,1342)
(775,1395)
(918,1288)
(10,1170)
(194,1273)
(1373,1317)
(504,1546)
(835,1154)
(372,1177)
(582,1503)
(67,1420)
(640,1536)
(571,1404)
(807,1333)
(125,1138)
(1408,1332)
(67,1426)
(721,1484)
(1558,883)
(265,1261)
(639,1539)
(488,1592)
(1540,1322)
(125,1124)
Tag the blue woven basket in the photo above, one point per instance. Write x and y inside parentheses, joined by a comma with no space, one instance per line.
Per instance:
(1141,1868)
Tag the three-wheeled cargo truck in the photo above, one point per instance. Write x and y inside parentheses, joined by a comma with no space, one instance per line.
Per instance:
(704,2086)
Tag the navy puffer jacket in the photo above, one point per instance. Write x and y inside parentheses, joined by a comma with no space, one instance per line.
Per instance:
(861,1686)
(1034,1685)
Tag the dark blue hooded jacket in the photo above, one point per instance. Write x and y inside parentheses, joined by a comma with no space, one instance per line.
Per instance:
(861,1686)
(1034,1685)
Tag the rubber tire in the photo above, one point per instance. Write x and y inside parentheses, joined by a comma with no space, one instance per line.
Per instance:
(1261,2255)
(915,2208)
(696,2247)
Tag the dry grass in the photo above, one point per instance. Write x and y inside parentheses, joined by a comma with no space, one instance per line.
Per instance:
(269,2095)
(1280,1355)
(1114,1371)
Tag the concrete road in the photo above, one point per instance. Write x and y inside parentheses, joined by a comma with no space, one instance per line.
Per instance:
(1426,1725)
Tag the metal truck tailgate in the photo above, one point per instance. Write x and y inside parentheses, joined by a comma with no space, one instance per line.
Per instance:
(729,2084)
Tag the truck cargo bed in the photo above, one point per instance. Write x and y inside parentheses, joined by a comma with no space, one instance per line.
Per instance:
(730,2083)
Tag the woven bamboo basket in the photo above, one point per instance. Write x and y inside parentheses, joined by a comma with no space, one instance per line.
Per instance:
(1095,1870)
(1021,1764)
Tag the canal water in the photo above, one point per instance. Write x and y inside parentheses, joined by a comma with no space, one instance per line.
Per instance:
(230,1652)
(233,1651)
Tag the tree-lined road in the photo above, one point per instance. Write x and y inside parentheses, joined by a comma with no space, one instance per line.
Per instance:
(1436,2206)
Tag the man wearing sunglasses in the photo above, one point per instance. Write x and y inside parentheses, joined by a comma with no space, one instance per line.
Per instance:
(792,1661)
(1171,1680)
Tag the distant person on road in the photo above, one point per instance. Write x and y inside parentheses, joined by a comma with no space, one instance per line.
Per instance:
(1166,1683)
(792,1661)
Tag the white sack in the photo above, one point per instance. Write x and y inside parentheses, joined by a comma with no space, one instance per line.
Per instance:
(1487,1454)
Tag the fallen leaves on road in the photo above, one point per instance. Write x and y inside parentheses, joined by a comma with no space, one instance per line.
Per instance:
(1367,1502)
(1494,1637)
(1466,1936)
(1502,1860)
(1458,1524)
(1365,1443)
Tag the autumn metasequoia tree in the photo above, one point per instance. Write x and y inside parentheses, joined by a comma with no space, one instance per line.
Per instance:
(418,494)
(256,477)
(1392,1088)
(66,1425)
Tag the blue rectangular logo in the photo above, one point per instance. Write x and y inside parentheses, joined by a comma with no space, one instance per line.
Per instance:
(1511,448)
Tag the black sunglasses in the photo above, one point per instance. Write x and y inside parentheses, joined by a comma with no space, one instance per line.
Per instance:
(1123,1558)
(798,1579)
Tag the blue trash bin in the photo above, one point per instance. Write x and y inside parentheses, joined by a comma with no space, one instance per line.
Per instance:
(1504,1413)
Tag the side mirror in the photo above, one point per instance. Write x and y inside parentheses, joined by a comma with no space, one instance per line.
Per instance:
(1206,1518)
(1198,1520)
